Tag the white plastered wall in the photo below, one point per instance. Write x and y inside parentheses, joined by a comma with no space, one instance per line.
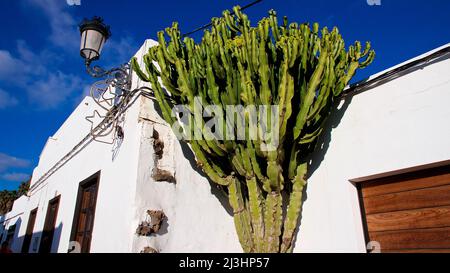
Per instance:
(398,124)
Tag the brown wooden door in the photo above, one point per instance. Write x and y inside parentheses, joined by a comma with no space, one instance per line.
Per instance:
(85,213)
(49,226)
(410,212)
(29,231)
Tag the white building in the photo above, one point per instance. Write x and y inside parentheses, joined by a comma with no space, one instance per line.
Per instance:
(395,123)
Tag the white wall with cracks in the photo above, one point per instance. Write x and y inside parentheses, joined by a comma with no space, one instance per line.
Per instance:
(196,218)
(396,124)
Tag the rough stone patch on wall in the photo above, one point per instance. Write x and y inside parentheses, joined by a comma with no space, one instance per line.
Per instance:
(164,168)
(163,143)
(152,224)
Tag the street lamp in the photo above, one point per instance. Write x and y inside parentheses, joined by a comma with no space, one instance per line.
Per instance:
(94,34)
(113,90)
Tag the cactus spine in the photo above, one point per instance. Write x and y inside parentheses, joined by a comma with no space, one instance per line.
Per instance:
(299,68)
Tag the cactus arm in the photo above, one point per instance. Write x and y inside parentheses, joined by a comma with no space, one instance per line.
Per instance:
(254,162)
(293,210)
(207,167)
(273,215)
(286,91)
(255,197)
(308,138)
(293,162)
(369,59)
(135,66)
(241,216)
(324,92)
(237,163)
(159,94)
(256,211)
(310,94)
(274,25)
(213,91)
(264,69)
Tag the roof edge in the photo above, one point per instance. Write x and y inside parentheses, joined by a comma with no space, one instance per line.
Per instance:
(395,70)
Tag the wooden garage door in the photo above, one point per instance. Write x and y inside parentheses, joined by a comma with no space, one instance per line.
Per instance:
(408,212)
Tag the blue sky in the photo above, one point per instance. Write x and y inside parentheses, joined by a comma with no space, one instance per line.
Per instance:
(42,77)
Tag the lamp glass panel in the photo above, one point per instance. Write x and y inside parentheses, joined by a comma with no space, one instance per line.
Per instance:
(91,43)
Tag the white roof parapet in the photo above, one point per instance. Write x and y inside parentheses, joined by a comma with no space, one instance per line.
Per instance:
(390,73)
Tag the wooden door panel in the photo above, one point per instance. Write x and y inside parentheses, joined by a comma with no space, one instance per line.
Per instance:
(86,199)
(85,212)
(81,222)
(29,232)
(392,185)
(409,219)
(414,199)
(49,226)
(408,213)
(433,238)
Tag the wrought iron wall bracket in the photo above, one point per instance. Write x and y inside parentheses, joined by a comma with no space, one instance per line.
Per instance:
(121,76)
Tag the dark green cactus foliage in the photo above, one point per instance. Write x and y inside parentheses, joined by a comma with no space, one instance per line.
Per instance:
(300,68)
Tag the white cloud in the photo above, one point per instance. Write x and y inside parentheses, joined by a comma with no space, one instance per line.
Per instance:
(9,66)
(6,100)
(117,52)
(18,69)
(30,71)
(36,63)
(7,161)
(56,89)
(64,28)
(37,72)
(15,177)
(65,34)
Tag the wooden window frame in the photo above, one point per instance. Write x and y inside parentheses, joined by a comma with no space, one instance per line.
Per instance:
(95,178)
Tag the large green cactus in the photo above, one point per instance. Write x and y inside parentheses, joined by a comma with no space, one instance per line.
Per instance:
(295,67)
